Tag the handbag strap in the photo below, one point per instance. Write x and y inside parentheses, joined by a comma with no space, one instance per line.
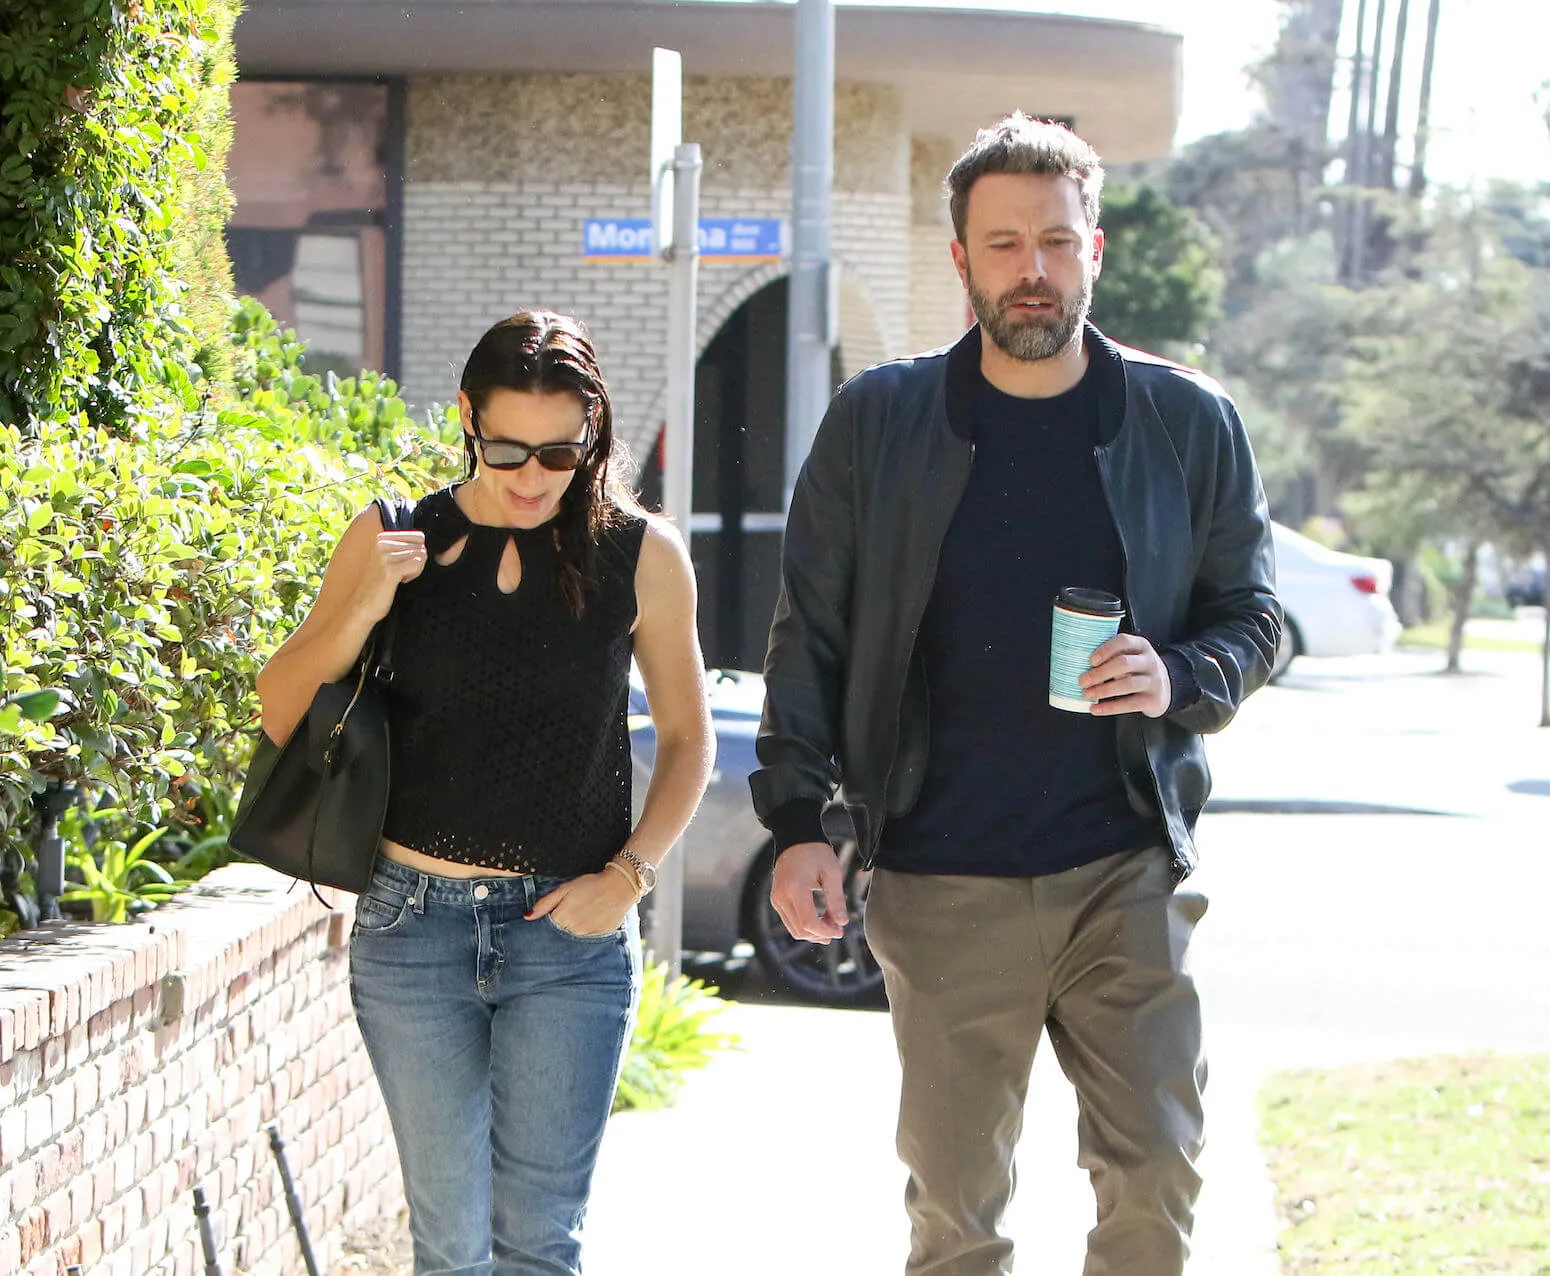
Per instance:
(397,514)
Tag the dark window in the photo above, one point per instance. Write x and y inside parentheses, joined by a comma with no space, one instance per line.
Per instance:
(311,166)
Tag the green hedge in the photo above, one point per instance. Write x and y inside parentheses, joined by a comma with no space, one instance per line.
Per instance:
(112,202)
(145,578)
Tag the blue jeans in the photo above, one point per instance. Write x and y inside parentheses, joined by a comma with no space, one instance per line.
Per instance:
(497,1042)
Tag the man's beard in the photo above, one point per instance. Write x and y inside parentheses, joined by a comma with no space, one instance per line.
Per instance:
(1032,337)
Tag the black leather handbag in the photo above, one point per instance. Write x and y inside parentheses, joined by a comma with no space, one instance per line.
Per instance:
(313,808)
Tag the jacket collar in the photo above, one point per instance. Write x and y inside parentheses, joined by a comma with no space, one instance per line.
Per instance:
(1105,361)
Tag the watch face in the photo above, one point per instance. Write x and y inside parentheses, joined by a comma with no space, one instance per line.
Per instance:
(648,875)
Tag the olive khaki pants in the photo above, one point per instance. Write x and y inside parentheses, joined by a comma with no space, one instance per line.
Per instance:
(976,968)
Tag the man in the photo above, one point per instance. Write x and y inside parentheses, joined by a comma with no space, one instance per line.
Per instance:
(1027,858)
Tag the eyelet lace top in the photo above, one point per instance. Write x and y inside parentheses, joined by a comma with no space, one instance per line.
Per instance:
(510,746)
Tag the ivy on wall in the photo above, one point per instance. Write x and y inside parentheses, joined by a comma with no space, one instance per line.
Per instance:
(113,277)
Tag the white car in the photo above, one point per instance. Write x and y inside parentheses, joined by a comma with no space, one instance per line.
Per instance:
(1336,604)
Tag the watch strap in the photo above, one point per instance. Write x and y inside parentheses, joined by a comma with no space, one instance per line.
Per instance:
(645,871)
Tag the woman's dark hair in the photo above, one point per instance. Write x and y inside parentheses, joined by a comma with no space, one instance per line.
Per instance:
(541,352)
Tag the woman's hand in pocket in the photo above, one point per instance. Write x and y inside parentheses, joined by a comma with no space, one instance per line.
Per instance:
(594,904)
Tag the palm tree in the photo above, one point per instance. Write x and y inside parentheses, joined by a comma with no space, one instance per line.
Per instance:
(1423,110)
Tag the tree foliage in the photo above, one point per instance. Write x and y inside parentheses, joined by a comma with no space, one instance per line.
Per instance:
(1286,348)
(1160,287)
(1449,385)
(1253,189)
(112,201)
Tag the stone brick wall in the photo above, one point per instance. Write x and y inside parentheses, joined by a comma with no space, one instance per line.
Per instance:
(503,170)
(140,1061)
(942,313)
(578,128)
(939,309)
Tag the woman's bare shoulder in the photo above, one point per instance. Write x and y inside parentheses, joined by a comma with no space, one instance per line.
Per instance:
(664,574)
(662,546)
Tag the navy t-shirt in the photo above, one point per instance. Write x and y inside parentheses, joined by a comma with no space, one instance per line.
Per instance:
(1013,787)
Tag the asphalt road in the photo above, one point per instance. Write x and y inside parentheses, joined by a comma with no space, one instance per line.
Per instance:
(1401,908)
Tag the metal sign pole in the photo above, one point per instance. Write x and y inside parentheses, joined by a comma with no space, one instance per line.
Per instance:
(683,260)
(675,213)
(811,320)
(666,937)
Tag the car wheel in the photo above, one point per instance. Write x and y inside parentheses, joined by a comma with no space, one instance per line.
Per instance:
(1286,648)
(840,973)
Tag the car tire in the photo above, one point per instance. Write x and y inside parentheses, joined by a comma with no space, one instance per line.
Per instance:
(840,973)
(1287,648)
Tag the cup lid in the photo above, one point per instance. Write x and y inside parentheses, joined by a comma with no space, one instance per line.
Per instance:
(1095,602)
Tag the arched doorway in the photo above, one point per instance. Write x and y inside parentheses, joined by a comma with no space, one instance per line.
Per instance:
(739,476)
(739,469)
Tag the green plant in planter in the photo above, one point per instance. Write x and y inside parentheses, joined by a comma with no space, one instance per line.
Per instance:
(361,415)
(119,878)
(144,578)
(672,1038)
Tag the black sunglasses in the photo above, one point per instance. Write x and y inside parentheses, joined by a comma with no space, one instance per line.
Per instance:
(507,454)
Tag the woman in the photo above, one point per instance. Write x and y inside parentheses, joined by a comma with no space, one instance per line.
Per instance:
(495,958)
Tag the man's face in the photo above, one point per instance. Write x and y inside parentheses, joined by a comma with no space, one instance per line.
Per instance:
(1029,262)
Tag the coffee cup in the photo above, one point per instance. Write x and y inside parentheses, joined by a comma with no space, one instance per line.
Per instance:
(1082,621)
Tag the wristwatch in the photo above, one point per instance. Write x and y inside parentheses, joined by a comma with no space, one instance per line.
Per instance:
(645,872)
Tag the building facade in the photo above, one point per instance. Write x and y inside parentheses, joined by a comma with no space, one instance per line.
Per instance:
(407,175)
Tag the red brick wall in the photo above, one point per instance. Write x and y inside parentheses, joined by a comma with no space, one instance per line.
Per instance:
(138,1062)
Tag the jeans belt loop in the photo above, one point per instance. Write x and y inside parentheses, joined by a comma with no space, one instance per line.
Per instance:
(419,893)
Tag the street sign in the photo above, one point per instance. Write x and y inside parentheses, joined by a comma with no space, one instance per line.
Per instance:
(742,239)
(745,239)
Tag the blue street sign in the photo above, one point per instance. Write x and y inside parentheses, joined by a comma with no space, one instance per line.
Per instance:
(721,239)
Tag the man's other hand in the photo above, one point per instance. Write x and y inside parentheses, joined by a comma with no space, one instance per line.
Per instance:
(800,872)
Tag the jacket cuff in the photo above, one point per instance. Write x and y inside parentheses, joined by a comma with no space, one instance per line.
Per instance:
(1181,679)
(799,820)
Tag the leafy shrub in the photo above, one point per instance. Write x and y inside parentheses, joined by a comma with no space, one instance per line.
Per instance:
(360,415)
(145,578)
(672,1038)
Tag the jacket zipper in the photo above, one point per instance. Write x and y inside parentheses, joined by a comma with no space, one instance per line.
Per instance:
(875,835)
(1101,457)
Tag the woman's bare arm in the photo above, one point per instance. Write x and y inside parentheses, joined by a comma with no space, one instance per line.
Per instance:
(667,650)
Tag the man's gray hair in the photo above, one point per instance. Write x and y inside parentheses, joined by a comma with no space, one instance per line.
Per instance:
(1019,144)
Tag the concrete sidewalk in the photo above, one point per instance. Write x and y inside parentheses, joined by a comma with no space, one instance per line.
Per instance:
(1371,930)
(779,1158)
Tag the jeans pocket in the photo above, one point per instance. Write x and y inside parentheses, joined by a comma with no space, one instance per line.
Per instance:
(578,937)
(380,910)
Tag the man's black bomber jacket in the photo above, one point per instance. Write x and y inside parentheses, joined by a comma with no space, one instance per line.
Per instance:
(845,691)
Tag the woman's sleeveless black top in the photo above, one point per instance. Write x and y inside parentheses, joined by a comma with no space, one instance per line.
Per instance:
(510,745)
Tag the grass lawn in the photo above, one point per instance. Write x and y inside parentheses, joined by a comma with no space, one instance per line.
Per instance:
(1421,1167)
(1436,635)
